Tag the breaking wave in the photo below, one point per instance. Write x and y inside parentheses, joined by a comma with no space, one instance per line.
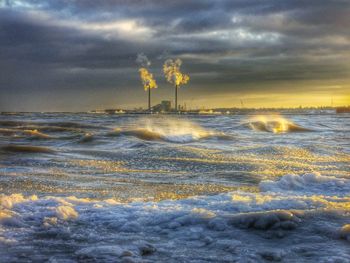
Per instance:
(171,130)
(274,124)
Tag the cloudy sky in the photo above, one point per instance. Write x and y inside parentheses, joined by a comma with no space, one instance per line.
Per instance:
(74,55)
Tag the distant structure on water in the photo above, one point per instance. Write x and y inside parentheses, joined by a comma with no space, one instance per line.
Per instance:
(164,106)
(343,109)
(114,111)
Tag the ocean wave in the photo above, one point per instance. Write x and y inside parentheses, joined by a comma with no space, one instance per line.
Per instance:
(48,128)
(274,124)
(308,184)
(88,137)
(8,132)
(26,148)
(22,133)
(73,125)
(171,130)
(35,134)
(49,125)
(181,137)
(7,123)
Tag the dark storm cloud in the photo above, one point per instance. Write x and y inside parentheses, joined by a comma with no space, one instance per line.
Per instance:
(59,47)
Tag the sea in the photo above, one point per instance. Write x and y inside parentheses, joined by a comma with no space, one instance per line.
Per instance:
(255,186)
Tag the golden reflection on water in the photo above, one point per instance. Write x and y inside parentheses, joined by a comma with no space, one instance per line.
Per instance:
(92,181)
(125,181)
(122,190)
(107,166)
(287,160)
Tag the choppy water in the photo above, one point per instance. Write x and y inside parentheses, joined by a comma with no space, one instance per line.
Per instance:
(229,188)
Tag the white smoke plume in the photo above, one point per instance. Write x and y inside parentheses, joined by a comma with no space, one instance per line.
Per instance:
(142,60)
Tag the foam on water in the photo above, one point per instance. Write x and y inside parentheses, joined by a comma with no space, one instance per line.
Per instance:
(226,227)
(308,184)
(66,212)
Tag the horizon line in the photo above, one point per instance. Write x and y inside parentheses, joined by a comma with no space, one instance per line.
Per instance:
(191,110)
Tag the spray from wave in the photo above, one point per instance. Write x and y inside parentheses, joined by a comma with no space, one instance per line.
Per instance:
(274,124)
(169,129)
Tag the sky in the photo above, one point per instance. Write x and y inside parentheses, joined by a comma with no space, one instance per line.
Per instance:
(78,55)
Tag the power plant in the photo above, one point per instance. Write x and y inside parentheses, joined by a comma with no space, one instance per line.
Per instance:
(173,75)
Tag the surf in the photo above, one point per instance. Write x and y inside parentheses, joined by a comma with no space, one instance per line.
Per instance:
(274,124)
(171,130)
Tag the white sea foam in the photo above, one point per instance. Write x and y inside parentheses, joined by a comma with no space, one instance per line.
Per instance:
(234,225)
(310,183)
(66,212)
(7,201)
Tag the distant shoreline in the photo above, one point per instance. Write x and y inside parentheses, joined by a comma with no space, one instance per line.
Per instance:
(215,111)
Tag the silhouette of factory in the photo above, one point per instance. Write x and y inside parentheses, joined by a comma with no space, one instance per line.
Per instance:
(164,106)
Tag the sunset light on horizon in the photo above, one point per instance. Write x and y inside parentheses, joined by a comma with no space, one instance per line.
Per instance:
(267,54)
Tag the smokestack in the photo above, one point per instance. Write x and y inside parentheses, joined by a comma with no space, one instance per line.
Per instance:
(173,75)
(147,79)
